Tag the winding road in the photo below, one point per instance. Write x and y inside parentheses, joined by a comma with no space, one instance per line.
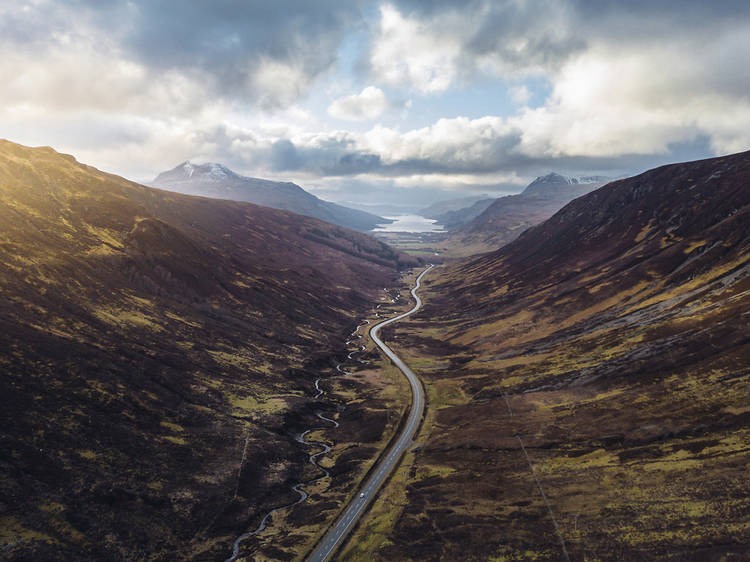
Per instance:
(366,494)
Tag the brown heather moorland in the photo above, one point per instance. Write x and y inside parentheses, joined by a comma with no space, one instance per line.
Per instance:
(609,349)
(148,342)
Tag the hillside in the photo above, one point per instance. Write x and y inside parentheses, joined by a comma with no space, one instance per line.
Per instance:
(454,218)
(217,181)
(149,342)
(604,358)
(505,218)
(452,213)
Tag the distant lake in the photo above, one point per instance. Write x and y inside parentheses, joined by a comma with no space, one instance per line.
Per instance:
(409,223)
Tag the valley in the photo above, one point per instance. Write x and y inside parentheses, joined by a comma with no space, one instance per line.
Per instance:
(374,281)
(586,385)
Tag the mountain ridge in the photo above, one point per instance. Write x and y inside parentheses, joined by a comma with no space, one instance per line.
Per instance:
(506,217)
(215,180)
(601,357)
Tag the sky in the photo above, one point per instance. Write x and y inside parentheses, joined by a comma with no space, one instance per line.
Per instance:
(405,102)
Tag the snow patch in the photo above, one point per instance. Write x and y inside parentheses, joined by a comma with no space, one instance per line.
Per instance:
(188,168)
(217,171)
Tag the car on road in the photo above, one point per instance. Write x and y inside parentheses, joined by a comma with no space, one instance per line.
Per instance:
(362,495)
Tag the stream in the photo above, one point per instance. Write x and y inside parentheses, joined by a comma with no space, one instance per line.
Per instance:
(312,459)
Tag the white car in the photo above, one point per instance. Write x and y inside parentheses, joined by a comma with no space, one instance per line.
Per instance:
(362,495)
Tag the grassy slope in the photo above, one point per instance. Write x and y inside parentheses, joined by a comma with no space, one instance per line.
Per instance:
(144,336)
(613,339)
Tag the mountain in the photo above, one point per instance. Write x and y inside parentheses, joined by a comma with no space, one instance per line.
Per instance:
(557,186)
(506,217)
(589,383)
(217,181)
(441,207)
(452,213)
(150,342)
(459,217)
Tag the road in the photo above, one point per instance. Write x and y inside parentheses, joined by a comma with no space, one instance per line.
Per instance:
(366,494)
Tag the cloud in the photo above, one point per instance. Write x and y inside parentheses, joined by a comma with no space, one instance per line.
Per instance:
(455,145)
(455,149)
(520,94)
(431,47)
(407,51)
(247,52)
(249,49)
(365,106)
(611,101)
(627,81)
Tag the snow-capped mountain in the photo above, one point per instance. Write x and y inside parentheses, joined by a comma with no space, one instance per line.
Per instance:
(210,171)
(507,217)
(552,185)
(219,182)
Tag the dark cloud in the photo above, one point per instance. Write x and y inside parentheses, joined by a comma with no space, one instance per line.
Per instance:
(585,17)
(340,160)
(229,39)
(678,12)
(545,33)
(512,36)
(524,34)
(223,43)
(285,157)
(354,163)
(330,157)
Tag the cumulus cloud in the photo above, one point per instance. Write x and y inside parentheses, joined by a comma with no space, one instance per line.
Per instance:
(407,51)
(611,101)
(431,47)
(369,104)
(458,144)
(627,83)
(248,52)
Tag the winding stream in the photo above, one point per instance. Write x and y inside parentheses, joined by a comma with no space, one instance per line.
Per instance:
(312,459)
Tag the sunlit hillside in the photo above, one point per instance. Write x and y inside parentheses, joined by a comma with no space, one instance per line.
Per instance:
(145,336)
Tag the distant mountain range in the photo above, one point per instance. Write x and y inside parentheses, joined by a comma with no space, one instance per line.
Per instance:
(489,224)
(217,181)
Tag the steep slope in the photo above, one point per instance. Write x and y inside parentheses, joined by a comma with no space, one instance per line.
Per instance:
(454,212)
(455,218)
(507,217)
(604,358)
(149,342)
(214,180)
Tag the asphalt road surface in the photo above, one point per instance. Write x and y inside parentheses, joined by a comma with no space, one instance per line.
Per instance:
(366,494)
